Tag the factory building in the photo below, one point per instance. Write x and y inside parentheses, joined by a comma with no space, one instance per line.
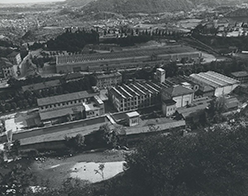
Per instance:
(108,80)
(127,59)
(222,85)
(135,96)
(73,106)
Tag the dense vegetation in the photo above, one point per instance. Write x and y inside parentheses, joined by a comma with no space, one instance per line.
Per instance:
(73,42)
(209,163)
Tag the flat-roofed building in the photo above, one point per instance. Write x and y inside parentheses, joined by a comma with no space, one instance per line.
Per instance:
(108,80)
(241,76)
(222,84)
(135,96)
(74,105)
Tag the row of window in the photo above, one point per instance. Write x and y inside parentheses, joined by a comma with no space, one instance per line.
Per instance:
(63,104)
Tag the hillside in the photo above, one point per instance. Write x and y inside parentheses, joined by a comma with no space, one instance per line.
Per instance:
(135,6)
(145,6)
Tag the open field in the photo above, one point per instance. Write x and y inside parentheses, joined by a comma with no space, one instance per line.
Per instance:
(57,170)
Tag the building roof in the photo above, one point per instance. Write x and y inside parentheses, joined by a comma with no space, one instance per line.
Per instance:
(65,98)
(135,89)
(232,103)
(178,90)
(170,102)
(214,79)
(41,85)
(132,114)
(117,74)
(48,115)
(4,62)
(145,52)
(13,54)
(72,76)
(240,74)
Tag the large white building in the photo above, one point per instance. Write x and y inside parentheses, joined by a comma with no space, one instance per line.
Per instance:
(223,85)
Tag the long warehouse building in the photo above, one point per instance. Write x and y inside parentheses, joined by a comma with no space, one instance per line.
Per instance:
(222,84)
(126,59)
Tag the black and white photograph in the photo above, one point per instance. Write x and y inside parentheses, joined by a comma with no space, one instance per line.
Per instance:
(123,97)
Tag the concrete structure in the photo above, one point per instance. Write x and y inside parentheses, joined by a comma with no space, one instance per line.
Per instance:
(7,69)
(15,58)
(160,75)
(73,106)
(124,59)
(108,80)
(169,107)
(133,118)
(135,96)
(241,76)
(223,85)
(181,95)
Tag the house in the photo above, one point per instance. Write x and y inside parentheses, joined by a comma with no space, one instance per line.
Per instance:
(181,95)
(241,76)
(15,58)
(108,80)
(7,69)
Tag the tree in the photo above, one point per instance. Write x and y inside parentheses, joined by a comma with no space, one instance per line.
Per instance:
(76,143)
(16,182)
(210,163)
(13,106)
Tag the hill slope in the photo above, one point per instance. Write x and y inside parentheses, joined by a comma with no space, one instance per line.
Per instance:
(145,6)
(135,6)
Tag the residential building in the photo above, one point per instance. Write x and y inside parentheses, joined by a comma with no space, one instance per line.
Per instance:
(15,58)
(181,95)
(7,69)
(231,103)
(135,96)
(222,85)
(108,80)
(241,76)
(73,106)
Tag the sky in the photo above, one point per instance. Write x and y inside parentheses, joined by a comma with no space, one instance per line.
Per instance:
(26,1)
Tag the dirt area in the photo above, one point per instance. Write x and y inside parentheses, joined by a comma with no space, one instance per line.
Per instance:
(56,170)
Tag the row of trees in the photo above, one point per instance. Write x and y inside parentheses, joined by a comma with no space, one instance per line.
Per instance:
(73,42)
